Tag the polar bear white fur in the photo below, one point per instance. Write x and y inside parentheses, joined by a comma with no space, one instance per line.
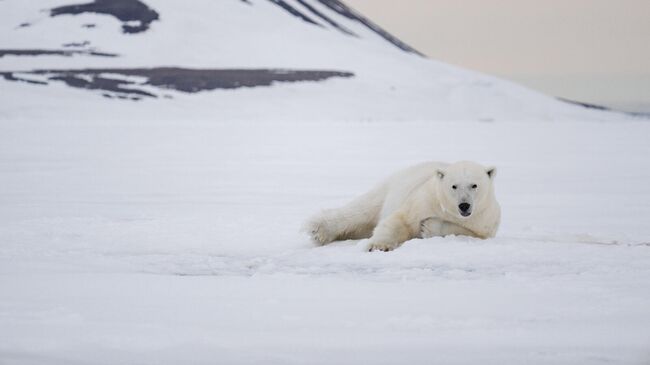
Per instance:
(426,200)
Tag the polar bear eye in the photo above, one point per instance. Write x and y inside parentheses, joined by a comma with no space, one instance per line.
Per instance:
(454,187)
(474,186)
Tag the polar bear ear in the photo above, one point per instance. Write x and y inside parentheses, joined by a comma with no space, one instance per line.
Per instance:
(491,172)
(440,174)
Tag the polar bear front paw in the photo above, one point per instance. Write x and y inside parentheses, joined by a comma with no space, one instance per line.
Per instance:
(318,232)
(381,246)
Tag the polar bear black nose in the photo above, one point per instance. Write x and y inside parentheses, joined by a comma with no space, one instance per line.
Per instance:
(464,207)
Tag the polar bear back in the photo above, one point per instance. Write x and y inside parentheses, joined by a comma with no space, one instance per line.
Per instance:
(402,184)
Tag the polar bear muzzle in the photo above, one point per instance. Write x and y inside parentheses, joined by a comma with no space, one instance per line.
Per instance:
(465,209)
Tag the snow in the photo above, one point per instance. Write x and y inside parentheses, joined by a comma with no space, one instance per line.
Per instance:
(167,231)
(165,242)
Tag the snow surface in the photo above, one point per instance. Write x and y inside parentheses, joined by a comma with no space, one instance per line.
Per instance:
(150,242)
(167,231)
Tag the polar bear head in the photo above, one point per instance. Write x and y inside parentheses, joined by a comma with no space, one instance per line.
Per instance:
(465,188)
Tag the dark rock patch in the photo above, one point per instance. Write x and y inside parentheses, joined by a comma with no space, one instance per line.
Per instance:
(325,18)
(135,16)
(97,82)
(9,76)
(293,11)
(344,10)
(89,26)
(604,108)
(53,52)
(585,105)
(77,44)
(138,83)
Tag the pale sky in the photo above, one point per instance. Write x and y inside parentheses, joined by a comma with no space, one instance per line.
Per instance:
(589,50)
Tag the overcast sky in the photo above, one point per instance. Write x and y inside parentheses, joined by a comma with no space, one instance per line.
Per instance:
(589,50)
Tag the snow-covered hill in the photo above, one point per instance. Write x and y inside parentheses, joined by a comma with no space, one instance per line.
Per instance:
(157,160)
(62,55)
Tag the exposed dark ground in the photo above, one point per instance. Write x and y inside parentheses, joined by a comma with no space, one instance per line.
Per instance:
(342,10)
(602,107)
(124,10)
(349,13)
(129,11)
(172,78)
(52,52)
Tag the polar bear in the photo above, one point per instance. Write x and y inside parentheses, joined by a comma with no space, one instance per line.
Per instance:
(426,200)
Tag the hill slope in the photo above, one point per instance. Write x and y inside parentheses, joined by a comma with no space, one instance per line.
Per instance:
(50,43)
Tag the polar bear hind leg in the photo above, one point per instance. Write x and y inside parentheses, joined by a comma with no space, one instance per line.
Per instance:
(355,220)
